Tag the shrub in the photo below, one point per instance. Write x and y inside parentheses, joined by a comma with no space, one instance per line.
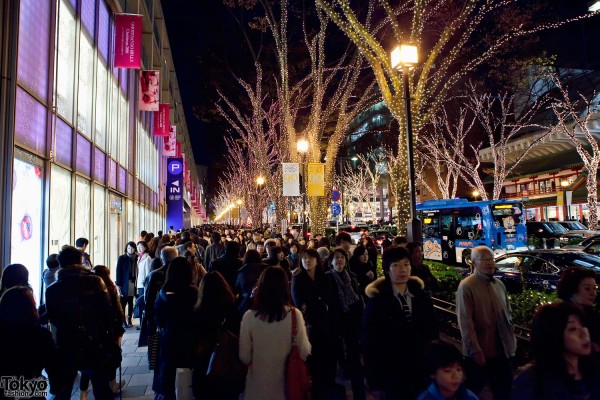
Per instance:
(525,304)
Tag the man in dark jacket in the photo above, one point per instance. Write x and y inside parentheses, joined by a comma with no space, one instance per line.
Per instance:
(126,280)
(229,264)
(78,304)
(214,250)
(398,323)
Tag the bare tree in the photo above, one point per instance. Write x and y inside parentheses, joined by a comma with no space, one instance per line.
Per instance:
(578,117)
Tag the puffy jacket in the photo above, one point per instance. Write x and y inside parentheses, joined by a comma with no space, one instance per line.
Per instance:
(78,304)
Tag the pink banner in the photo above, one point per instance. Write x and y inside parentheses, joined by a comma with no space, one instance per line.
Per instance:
(149,90)
(178,149)
(169,146)
(128,41)
(161,120)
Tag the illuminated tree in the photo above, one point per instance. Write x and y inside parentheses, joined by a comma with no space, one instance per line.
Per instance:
(578,120)
(495,116)
(445,33)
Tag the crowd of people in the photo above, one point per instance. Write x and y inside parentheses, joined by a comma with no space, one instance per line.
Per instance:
(377,329)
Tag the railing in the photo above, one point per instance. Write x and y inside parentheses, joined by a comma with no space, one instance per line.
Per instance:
(529,193)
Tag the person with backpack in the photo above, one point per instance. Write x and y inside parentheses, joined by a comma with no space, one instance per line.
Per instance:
(78,304)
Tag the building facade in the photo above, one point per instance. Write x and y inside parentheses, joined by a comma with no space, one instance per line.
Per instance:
(78,158)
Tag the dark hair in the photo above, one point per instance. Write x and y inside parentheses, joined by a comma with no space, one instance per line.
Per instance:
(143,234)
(440,354)
(215,237)
(370,243)
(68,256)
(252,257)
(359,251)
(81,242)
(17,308)
(132,244)
(324,242)
(145,244)
(569,281)
(214,291)
(14,275)
(52,261)
(342,237)
(547,336)
(180,274)
(332,256)
(312,253)
(272,294)
(232,249)
(398,240)
(103,272)
(412,246)
(391,255)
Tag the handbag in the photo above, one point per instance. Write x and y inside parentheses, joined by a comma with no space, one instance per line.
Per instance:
(225,364)
(297,377)
(153,346)
(140,304)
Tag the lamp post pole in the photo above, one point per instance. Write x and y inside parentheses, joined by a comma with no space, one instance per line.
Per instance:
(403,57)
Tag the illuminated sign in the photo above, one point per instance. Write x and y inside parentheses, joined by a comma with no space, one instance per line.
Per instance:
(503,206)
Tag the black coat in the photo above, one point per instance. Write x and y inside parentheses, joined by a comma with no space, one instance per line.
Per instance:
(124,265)
(247,277)
(78,304)
(392,347)
(342,322)
(227,266)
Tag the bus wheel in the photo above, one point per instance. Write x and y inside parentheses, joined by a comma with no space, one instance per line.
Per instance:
(466,259)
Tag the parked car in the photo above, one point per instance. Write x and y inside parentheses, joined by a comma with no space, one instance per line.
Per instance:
(379,237)
(355,232)
(579,228)
(590,245)
(540,269)
(550,234)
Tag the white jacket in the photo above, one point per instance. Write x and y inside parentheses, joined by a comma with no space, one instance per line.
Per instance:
(143,269)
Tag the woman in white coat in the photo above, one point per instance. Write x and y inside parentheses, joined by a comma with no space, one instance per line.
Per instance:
(143,265)
(266,337)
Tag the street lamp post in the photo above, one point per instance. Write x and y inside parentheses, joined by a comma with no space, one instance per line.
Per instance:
(564,184)
(403,58)
(260,181)
(302,148)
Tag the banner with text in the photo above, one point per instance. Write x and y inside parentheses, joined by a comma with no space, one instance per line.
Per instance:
(128,41)
(149,89)
(175,193)
(291,179)
(169,143)
(316,179)
(161,120)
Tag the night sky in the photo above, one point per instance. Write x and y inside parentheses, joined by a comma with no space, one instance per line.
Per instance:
(209,49)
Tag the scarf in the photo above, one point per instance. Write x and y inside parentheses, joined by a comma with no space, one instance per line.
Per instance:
(345,290)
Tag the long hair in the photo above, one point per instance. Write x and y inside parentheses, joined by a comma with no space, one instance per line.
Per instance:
(17,308)
(311,253)
(14,275)
(548,340)
(103,272)
(179,275)
(272,295)
(214,292)
(252,257)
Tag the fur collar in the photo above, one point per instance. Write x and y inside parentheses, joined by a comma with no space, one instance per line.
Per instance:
(380,284)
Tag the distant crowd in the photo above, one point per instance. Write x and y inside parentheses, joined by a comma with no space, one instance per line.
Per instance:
(373,326)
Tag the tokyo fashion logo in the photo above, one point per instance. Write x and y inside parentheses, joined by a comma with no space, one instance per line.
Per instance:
(18,387)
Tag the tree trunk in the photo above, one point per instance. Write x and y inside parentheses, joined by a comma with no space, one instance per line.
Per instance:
(592,197)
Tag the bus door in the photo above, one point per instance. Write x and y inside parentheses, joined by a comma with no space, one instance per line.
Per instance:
(448,239)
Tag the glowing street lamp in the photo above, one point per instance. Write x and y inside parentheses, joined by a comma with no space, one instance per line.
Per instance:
(403,58)
(476,194)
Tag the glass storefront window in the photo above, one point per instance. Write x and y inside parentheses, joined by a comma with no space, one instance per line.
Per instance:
(123,131)
(60,208)
(30,122)
(99,226)
(130,225)
(86,81)
(65,61)
(26,221)
(34,46)
(82,208)
(101,98)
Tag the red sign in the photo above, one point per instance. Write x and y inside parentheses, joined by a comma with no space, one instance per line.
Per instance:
(178,148)
(169,149)
(149,89)
(161,121)
(128,41)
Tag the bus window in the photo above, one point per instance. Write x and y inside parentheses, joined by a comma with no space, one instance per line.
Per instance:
(447,226)
(468,227)
(431,225)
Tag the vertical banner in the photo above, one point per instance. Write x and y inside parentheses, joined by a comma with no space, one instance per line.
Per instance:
(128,41)
(169,143)
(161,120)
(175,193)
(178,149)
(291,179)
(149,89)
(316,179)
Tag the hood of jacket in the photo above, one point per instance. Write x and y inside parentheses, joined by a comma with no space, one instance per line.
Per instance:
(380,284)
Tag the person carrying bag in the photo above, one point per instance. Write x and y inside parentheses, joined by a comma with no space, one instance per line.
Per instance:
(297,377)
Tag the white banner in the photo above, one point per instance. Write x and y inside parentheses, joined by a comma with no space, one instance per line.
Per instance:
(291,179)
(169,143)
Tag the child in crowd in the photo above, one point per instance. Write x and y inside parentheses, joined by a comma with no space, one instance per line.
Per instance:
(444,363)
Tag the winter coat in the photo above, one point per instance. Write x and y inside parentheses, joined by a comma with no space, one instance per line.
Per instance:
(78,304)
(143,269)
(342,322)
(124,265)
(213,252)
(393,347)
(247,277)
(360,270)
(227,266)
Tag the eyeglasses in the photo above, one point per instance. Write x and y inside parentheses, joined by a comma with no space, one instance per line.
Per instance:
(485,259)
